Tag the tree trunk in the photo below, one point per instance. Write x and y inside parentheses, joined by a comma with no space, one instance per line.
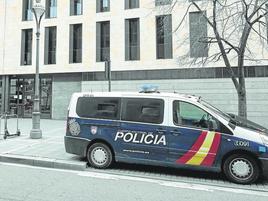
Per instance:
(242,101)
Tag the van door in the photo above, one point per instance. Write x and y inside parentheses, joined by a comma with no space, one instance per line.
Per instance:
(142,135)
(190,141)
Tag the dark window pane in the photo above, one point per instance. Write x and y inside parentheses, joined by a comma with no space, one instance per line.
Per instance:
(132,39)
(102,5)
(103,41)
(130,4)
(27,10)
(50,45)
(51,8)
(75,43)
(198,34)
(162,2)
(26,47)
(143,110)
(76,7)
(100,108)
(164,37)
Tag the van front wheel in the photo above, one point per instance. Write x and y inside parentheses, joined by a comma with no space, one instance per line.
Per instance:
(99,156)
(241,168)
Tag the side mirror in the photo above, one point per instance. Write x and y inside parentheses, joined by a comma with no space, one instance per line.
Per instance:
(212,125)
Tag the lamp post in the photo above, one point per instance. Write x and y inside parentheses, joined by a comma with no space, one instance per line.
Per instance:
(36,133)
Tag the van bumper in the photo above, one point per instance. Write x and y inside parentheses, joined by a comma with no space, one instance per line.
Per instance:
(76,145)
(264,162)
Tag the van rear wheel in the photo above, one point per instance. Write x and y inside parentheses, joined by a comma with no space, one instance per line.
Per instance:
(241,169)
(99,155)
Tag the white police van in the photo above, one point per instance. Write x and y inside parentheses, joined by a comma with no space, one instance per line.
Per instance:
(165,129)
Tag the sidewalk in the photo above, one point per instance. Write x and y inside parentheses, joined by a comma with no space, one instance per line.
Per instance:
(46,152)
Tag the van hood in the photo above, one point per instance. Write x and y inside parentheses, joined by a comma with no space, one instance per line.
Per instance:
(245,123)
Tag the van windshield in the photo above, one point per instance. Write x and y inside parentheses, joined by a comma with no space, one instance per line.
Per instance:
(236,120)
(224,115)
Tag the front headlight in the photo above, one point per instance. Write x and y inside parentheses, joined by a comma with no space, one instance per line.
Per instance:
(265,139)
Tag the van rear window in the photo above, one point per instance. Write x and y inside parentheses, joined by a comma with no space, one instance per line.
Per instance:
(143,110)
(98,107)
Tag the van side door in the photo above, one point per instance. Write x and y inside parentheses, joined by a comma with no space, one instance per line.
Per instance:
(142,135)
(191,142)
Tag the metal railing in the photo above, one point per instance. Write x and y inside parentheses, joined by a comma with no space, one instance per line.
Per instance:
(6,133)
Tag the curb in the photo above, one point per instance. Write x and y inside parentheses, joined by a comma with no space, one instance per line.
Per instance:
(43,162)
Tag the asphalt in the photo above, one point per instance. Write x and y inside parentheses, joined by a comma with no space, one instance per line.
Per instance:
(48,151)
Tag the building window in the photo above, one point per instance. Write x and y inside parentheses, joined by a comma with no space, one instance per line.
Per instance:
(103,41)
(132,39)
(27,10)
(51,8)
(198,34)
(267,20)
(50,45)
(76,7)
(162,2)
(102,6)
(130,4)
(26,46)
(75,43)
(164,37)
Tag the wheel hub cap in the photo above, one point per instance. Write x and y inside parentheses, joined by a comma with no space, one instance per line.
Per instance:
(241,168)
(99,156)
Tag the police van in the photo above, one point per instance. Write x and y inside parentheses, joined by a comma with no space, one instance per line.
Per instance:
(165,129)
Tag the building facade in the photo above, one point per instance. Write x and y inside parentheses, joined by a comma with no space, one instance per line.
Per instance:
(142,40)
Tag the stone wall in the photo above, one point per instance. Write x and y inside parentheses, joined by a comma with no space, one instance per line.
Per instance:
(62,88)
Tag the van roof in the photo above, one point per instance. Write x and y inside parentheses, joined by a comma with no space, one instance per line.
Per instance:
(137,94)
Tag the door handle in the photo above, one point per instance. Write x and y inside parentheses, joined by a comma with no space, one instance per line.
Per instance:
(175,132)
(160,130)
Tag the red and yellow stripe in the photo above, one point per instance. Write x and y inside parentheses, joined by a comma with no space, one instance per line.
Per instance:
(203,151)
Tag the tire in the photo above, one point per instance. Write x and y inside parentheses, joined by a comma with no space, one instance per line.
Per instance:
(99,156)
(241,169)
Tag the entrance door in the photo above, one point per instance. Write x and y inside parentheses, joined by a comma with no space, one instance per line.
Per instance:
(21,98)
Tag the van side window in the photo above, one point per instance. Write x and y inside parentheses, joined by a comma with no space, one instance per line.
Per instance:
(98,107)
(187,114)
(143,110)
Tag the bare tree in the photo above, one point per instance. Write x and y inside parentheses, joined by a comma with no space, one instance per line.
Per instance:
(232,22)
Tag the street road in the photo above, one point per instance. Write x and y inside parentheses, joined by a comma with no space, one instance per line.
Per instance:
(29,183)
